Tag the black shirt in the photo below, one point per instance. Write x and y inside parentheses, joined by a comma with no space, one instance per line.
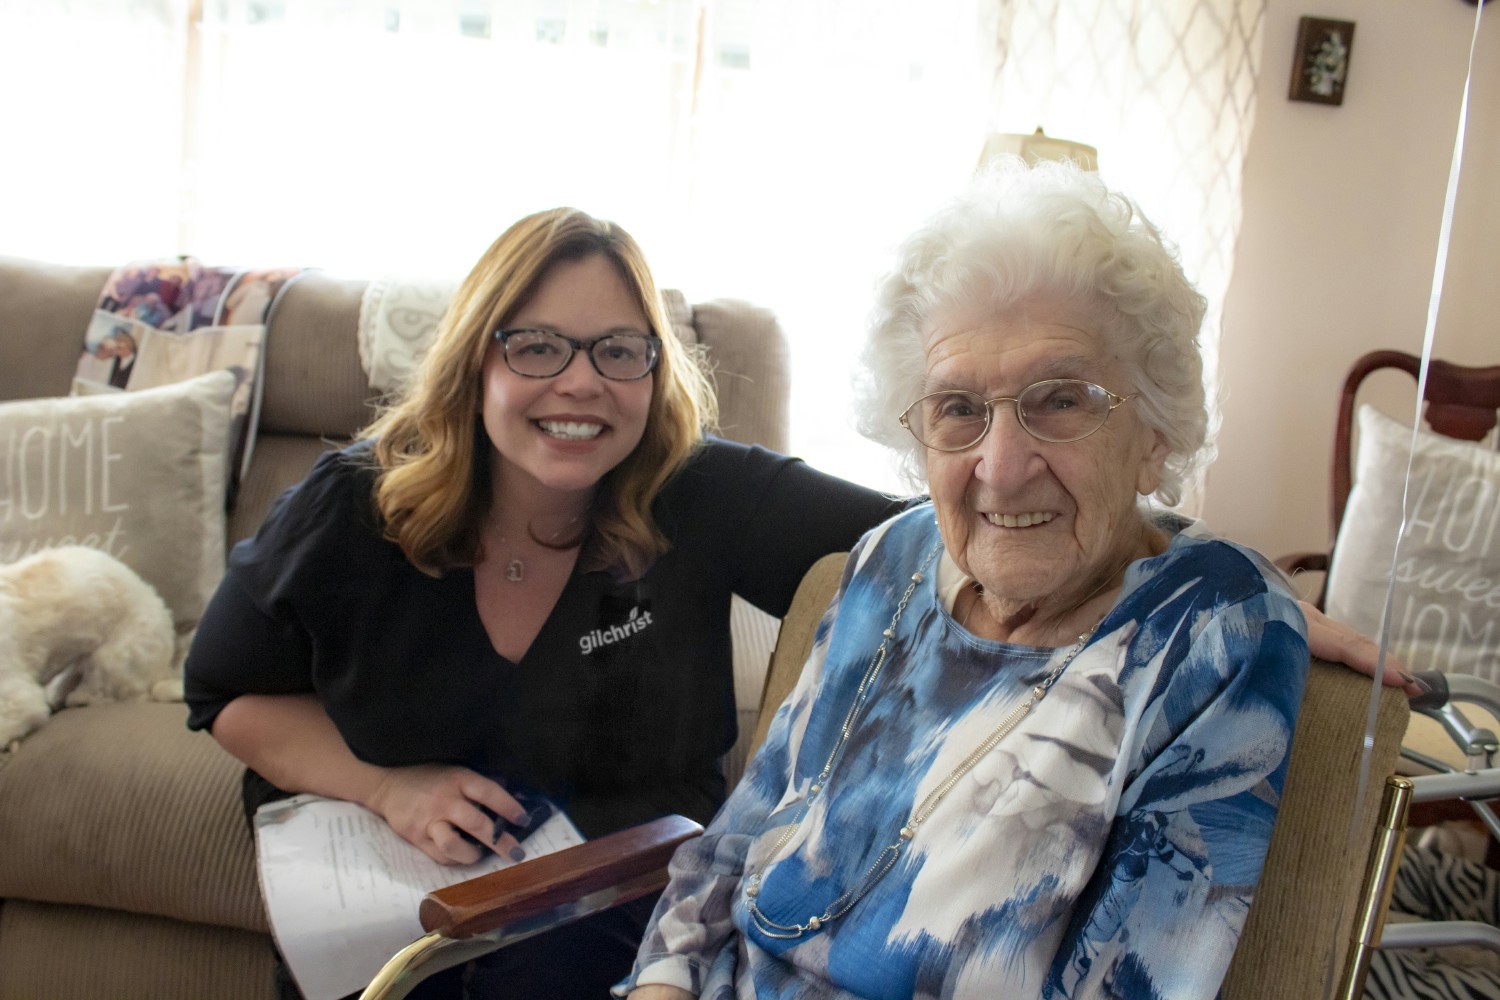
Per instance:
(624,703)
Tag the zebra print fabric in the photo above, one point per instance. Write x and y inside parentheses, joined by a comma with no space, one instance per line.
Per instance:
(1437,886)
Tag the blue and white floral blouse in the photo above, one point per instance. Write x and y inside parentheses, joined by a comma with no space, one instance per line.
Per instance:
(1107,847)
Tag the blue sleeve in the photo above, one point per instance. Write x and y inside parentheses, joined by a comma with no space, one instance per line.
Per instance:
(1163,911)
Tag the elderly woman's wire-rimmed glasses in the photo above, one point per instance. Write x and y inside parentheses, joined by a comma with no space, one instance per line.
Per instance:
(620,357)
(1057,410)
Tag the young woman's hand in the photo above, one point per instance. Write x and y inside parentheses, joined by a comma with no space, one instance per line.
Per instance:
(429,803)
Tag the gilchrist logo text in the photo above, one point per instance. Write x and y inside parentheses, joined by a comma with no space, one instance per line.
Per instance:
(638,621)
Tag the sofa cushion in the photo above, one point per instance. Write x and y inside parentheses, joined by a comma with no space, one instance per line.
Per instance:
(140,475)
(70,952)
(314,384)
(744,338)
(47,308)
(119,806)
(281,461)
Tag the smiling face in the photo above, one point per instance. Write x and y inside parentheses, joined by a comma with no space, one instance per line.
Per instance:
(555,438)
(1037,522)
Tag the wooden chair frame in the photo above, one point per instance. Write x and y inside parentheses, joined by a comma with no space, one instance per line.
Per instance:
(1460,402)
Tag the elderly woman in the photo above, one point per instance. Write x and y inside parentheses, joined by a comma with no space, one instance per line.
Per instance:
(1039,744)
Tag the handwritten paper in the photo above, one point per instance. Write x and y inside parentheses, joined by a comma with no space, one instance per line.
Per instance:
(342,889)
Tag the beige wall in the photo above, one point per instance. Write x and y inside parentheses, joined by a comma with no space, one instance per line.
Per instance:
(1335,258)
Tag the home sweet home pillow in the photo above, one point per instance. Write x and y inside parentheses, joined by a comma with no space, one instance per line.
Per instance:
(1446,609)
(140,475)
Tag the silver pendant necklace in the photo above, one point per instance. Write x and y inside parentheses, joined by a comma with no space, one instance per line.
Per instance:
(515,567)
(891,853)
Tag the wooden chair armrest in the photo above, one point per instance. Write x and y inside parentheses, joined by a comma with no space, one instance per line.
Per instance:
(631,862)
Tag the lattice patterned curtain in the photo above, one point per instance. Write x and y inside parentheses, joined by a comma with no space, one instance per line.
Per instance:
(1166,91)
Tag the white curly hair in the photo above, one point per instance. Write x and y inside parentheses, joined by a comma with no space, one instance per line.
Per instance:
(1020,234)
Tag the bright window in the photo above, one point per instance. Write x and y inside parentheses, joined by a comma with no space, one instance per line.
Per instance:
(772,150)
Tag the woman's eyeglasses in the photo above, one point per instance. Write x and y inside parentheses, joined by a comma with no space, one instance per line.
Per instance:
(621,357)
(1058,410)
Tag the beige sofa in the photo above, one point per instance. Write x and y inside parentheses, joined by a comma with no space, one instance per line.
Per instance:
(126,868)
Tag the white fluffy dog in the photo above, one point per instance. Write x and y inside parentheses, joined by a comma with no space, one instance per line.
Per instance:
(74,606)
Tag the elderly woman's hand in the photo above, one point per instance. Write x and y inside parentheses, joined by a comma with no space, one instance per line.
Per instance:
(659,993)
(1333,640)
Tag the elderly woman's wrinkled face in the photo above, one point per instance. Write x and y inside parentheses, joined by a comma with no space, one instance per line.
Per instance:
(1035,521)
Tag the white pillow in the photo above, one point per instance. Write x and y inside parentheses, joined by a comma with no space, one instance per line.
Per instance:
(1446,609)
(140,475)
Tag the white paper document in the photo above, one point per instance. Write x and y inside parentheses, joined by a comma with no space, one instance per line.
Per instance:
(342,889)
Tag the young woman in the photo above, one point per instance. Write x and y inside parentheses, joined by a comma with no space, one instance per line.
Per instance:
(519,577)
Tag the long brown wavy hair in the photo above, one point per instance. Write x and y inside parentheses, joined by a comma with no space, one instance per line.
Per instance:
(433,487)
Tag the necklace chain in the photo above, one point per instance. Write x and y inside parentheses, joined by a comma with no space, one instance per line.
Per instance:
(515,567)
(891,853)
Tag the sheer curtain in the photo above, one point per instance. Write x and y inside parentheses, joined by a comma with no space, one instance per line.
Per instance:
(1166,91)
(92,122)
(774,150)
(402,136)
(854,120)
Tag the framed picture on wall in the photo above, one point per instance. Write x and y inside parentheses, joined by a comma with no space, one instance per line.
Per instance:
(1320,63)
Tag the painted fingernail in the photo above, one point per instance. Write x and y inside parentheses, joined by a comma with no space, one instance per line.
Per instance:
(1410,680)
(518,854)
(525,820)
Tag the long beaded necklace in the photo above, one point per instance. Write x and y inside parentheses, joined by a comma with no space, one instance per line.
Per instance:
(891,853)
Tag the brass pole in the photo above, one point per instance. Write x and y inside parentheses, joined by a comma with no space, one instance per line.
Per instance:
(1375,891)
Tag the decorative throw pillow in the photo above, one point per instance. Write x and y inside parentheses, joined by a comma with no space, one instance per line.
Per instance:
(162,321)
(140,475)
(1446,609)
